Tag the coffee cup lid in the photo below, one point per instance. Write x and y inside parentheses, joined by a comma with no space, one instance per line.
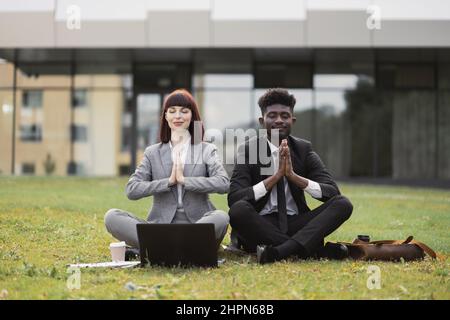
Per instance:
(118,244)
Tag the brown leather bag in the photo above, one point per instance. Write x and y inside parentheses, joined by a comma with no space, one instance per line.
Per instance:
(389,250)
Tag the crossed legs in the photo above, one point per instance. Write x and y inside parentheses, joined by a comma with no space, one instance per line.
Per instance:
(122,225)
(308,229)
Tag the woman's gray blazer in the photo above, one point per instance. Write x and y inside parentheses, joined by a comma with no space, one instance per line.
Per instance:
(203,172)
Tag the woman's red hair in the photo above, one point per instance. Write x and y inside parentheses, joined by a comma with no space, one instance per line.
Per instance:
(180,98)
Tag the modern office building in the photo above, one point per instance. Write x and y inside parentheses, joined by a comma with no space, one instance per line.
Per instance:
(82,82)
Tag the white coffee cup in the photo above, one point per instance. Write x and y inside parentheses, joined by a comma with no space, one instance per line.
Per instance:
(118,251)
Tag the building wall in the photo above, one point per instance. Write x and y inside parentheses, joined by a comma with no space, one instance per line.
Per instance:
(6,124)
(105,132)
(54,116)
(218,23)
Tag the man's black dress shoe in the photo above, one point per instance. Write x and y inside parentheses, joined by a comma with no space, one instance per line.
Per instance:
(334,251)
(132,254)
(266,254)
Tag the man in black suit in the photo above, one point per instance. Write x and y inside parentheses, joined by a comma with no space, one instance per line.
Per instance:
(268,211)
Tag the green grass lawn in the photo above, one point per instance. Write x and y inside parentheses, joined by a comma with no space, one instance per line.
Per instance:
(47,223)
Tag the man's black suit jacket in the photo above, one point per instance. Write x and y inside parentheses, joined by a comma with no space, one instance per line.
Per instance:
(305,162)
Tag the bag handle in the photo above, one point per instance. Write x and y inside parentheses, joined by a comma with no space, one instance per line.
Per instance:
(427,249)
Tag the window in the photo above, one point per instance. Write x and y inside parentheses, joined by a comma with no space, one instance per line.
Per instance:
(75,168)
(124,170)
(126,138)
(78,133)
(223,81)
(30,132)
(336,81)
(80,98)
(406,76)
(32,99)
(269,75)
(227,109)
(343,117)
(225,100)
(27,168)
(162,76)
(126,119)
(148,116)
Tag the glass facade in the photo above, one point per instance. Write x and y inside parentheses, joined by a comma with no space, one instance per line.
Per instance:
(368,113)
(148,110)
(225,100)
